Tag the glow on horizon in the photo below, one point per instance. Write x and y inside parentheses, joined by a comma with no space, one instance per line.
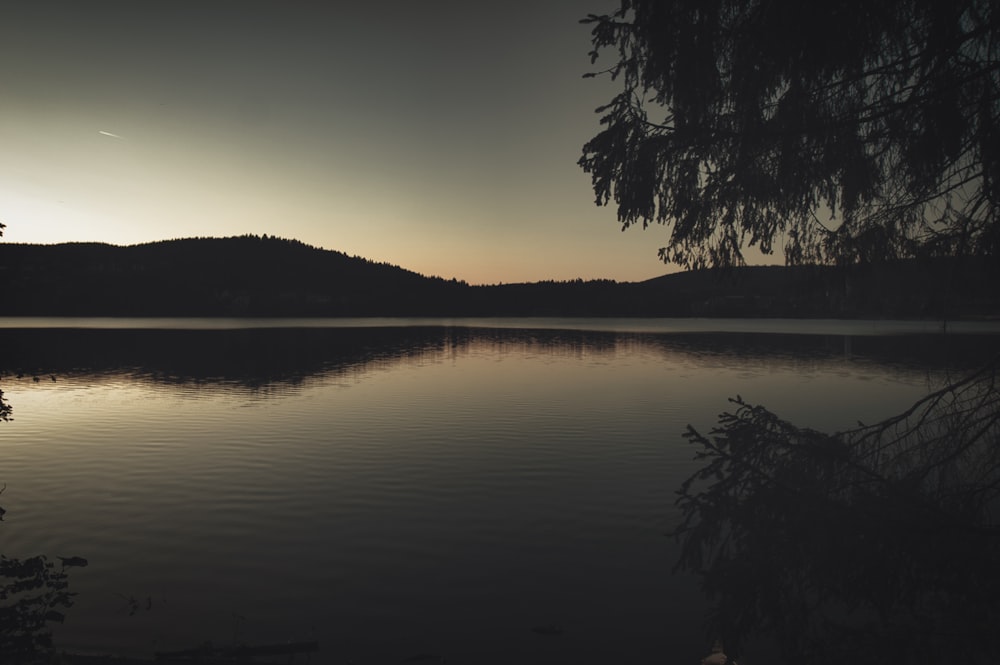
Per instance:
(449,152)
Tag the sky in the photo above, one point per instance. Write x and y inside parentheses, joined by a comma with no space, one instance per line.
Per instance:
(440,136)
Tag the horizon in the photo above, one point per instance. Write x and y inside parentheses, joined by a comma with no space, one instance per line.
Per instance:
(266,236)
(442,139)
(667,269)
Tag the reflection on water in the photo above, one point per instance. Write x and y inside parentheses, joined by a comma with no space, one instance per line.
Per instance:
(397,491)
(870,546)
(256,356)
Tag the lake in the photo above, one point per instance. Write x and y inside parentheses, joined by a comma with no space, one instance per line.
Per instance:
(395,488)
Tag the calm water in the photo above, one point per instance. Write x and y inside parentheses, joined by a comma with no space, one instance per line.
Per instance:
(406,487)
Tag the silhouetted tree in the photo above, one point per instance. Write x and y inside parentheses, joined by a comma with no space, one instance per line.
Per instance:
(848,130)
(5,409)
(873,545)
(32,593)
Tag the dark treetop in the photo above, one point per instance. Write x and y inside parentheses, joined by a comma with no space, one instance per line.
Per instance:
(848,130)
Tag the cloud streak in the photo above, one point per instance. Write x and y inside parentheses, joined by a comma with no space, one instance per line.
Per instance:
(112,135)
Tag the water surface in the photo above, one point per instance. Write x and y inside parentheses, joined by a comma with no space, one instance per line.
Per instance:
(395,488)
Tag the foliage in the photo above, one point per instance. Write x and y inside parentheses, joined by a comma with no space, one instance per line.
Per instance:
(848,130)
(877,544)
(32,593)
(5,408)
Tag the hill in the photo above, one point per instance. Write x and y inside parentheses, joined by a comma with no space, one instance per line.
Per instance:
(266,276)
(928,288)
(239,276)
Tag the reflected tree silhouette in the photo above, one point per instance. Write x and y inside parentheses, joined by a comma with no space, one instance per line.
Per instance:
(876,544)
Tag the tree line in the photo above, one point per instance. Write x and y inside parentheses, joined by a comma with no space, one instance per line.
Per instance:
(269,276)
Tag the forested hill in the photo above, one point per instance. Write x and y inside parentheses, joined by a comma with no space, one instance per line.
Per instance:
(246,275)
(262,276)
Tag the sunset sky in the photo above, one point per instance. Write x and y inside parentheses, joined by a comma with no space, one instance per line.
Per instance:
(439,136)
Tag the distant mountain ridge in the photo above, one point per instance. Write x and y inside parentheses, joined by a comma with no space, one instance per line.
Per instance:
(269,276)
